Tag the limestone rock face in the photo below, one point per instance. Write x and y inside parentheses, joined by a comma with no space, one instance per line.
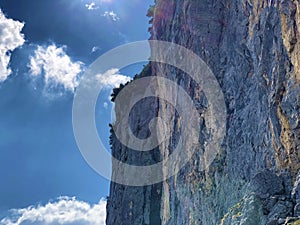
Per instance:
(253,50)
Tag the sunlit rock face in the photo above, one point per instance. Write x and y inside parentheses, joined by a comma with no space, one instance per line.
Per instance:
(252,47)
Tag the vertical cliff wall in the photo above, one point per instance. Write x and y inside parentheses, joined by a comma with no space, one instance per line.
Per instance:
(252,47)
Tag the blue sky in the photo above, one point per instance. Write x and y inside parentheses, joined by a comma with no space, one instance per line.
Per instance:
(39,159)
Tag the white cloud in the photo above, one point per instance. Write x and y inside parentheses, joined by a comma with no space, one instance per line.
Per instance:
(105,1)
(95,49)
(112,78)
(10,39)
(105,105)
(112,15)
(91,6)
(56,66)
(64,211)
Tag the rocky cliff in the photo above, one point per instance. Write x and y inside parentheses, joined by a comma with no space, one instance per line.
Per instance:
(253,49)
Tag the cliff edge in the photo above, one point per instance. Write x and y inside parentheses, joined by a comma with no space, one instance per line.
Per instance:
(253,49)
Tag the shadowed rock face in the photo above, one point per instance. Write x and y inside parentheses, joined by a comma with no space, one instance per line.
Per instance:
(252,48)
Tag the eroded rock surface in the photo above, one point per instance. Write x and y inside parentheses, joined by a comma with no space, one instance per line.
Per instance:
(252,48)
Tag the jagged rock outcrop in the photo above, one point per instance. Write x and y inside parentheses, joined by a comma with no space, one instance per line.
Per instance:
(252,47)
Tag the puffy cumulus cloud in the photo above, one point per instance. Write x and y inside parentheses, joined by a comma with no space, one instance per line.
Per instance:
(64,211)
(56,66)
(91,6)
(10,39)
(105,105)
(95,49)
(112,15)
(112,78)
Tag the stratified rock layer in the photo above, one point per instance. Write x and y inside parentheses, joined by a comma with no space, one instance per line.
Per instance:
(252,48)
